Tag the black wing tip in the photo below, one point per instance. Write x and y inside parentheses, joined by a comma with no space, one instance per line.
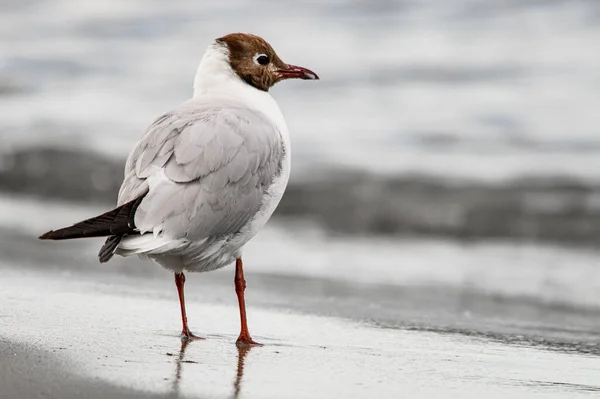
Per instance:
(47,235)
(104,256)
(109,248)
(105,259)
(116,222)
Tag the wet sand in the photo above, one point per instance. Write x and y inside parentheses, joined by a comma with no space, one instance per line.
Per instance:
(115,336)
(31,372)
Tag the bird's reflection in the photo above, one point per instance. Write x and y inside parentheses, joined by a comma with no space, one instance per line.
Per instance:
(242,353)
(178,366)
(241,358)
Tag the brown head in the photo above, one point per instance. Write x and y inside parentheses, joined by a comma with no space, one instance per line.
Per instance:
(256,63)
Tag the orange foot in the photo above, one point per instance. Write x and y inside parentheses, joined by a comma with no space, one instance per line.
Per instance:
(245,340)
(188,335)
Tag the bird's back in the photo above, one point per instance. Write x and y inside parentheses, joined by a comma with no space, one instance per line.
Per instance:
(210,171)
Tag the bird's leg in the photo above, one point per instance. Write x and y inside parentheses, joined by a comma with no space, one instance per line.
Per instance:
(185,332)
(240,285)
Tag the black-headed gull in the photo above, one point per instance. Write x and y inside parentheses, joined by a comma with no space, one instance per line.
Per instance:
(206,176)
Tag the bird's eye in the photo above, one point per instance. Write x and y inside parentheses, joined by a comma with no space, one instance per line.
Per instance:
(261,59)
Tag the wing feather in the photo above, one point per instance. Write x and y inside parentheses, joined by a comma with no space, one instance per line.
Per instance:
(205,170)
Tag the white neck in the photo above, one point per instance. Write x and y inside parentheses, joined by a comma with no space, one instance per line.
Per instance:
(214,73)
(215,76)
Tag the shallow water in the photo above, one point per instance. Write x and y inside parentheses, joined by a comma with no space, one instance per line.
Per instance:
(431,86)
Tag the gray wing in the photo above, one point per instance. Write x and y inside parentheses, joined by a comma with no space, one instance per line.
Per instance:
(205,170)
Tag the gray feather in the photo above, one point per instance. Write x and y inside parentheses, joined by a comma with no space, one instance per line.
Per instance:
(205,168)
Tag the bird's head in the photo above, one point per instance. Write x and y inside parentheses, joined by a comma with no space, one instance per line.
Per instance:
(254,61)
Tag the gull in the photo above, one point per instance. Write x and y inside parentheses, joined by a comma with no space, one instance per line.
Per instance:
(206,176)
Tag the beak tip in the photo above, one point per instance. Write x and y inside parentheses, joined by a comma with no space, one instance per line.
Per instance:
(296,72)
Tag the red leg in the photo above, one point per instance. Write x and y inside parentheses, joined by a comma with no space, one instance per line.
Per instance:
(185,332)
(240,285)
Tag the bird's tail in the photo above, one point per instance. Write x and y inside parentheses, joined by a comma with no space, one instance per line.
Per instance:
(118,222)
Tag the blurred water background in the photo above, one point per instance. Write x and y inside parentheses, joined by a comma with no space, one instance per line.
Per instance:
(449,152)
(463,88)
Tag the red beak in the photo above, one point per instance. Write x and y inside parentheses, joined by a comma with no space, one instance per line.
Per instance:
(296,72)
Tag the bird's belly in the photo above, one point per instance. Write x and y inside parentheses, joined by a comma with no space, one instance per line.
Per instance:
(217,252)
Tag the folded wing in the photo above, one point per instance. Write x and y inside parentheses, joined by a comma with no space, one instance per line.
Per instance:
(204,170)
